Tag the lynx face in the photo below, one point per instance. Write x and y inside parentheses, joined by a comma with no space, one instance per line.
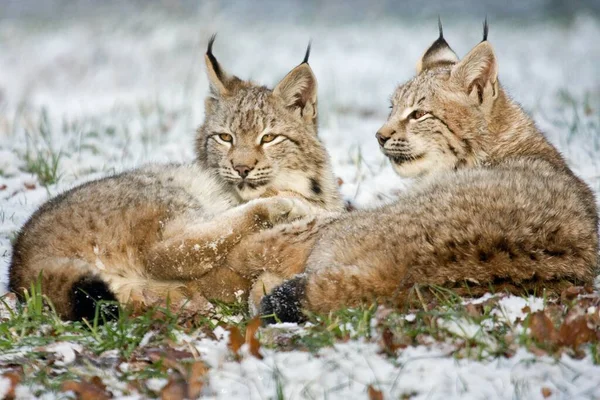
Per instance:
(256,143)
(260,140)
(439,118)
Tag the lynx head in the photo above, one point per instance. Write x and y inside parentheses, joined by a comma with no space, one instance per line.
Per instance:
(260,140)
(439,119)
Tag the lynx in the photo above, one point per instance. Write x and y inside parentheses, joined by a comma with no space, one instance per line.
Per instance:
(495,204)
(164,230)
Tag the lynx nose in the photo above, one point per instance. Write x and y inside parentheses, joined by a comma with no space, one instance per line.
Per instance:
(381,138)
(242,170)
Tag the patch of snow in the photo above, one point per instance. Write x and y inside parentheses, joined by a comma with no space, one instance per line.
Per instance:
(511,307)
(5,386)
(65,351)
(156,384)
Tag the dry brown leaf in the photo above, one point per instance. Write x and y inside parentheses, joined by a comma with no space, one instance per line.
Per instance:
(196,379)
(176,389)
(170,358)
(542,328)
(571,292)
(474,310)
(29,186)
(546,392)
(3,187)
(575,332)
(339,181)
(251,338)
(97,381)
(389,344)
(374,394)
(86,390)
(14,379)
(236,340)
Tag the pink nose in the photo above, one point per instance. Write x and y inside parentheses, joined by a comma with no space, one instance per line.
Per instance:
(242,170)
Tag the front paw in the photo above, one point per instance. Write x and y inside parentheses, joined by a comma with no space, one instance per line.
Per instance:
(285,209)
(284,304)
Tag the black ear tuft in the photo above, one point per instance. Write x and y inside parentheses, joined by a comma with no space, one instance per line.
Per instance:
(211,57)
(485,29)
(439,53)
(305,61)
(85,295)
(210,44)
(284,302)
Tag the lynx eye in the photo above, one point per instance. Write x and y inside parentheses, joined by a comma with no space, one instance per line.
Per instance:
(226,137)
(268,138)
(417,114)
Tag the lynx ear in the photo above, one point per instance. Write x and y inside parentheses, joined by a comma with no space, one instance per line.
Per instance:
(220,82)
(298,89)
(439,53)
(478,72)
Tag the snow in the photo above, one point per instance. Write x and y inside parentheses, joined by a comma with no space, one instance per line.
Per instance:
(113,93)
(65,352)
(5,386)
(347,369)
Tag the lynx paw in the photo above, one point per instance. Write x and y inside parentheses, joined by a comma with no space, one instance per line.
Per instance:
(283,209)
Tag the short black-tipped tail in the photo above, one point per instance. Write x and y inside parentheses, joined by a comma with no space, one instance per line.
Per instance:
(87,294)
(284,303)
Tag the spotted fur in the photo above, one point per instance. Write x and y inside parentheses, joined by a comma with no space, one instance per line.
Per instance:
(161,232)
(494,206)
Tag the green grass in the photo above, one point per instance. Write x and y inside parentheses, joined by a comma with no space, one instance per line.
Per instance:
(33,325)
(44,166)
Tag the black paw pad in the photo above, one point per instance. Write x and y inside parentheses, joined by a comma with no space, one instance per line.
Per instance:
(85,295)
(284,302)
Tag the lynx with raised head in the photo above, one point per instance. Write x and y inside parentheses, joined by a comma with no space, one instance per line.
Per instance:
(495,204)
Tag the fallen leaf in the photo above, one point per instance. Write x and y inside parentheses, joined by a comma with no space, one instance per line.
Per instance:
(339,181)
(29,186)
(251,339)
(389,345)
(374,394)
(14,379)
(474,310)
(236,340)
(85,390)
(571,292)
(3,187)
(176,389)
(196,379)
(546,392)
(96,381)
(542,328)
(170,358)
(575,332)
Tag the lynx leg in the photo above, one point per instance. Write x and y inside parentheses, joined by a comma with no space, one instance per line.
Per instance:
(282,250)
(333,288)
(190,250)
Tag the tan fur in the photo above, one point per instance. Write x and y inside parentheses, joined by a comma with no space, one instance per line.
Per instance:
(495,204)
(164,231)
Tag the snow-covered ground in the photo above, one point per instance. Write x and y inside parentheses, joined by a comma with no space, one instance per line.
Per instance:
(109,91)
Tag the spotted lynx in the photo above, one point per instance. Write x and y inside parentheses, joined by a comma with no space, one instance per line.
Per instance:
(163,231)
(495,204)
